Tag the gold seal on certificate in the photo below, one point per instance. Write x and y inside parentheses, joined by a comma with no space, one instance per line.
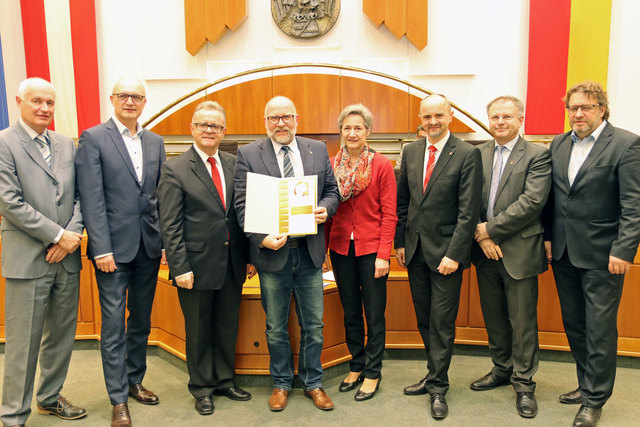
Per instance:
(280,205)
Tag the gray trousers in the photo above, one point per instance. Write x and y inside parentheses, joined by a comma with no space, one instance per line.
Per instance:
(40,317)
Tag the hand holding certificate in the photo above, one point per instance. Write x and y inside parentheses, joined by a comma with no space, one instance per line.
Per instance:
(281,205)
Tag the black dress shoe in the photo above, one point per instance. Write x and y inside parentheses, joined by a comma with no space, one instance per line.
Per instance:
(587,417)
(439,408)
(571,398)
(489,382)
(345,386)
(142,395)
(234,393)
(204,405)
(361,395)
(63,409)
(526,404)
(415,389)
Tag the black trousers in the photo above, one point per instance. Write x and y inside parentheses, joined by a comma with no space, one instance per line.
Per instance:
(509,308)
(589,301)
(211,329)
(435,299)
(357,287)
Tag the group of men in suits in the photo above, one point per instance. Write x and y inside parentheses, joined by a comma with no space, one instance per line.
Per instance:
(494,205)
(514,206)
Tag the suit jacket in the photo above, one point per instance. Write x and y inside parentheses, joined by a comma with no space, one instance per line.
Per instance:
(118,210)
(199,234)
(259,157)
(599,215)
(371,215)
(520,199)
(35,202)
(444,218)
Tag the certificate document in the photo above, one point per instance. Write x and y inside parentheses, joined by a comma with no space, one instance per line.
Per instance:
(280,205)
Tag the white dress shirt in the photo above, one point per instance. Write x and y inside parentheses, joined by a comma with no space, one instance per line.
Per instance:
(294,156)
(580,149)
(133,144)
(204,156)
(439,146)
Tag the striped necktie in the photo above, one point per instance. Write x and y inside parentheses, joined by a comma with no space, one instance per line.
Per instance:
(43,145)
(287,166)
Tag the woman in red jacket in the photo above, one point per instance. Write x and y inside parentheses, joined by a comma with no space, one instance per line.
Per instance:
(360,238)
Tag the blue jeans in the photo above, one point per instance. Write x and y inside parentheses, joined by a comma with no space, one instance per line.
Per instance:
(300,278)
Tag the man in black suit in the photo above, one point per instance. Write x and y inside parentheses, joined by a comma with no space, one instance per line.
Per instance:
(207,252)
(509,253)
(117,172)
(290,266)
(439,192)
(593,221)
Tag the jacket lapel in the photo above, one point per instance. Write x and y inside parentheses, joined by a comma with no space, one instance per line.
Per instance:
(31,147)
(268,157)
(598,147)
(228,169)
(307,157)
(418,161)
(563,152)
(117,140)
(200,170)
(146,154)
(447,151)
(512,161)
(488,151)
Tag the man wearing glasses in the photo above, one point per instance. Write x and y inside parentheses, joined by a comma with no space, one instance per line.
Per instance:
(290,266)
(592,228)
(207,254)
(117,170)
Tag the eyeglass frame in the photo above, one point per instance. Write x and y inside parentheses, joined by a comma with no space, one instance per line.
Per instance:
(274,120)
(124,97)
(586,108)
(202,127)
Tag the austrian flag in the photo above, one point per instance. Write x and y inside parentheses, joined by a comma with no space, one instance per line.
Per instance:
(60,46)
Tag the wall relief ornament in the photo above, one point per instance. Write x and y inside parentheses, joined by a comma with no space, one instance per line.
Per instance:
(305,19)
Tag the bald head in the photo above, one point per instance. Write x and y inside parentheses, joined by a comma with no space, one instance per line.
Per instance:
(279,102)
(281,119)
(436,115)
(129,82)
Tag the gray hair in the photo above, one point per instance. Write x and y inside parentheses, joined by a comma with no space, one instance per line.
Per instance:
(32,83)
(508,98)
(210,106)
(356,110)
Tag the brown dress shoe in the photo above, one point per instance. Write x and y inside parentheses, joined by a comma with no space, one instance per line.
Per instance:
(62,408)
(120,416)
(278,399)
(142,395)
(320,399)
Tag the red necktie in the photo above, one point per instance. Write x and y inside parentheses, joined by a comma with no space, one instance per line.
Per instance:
(216,178)
(430,164)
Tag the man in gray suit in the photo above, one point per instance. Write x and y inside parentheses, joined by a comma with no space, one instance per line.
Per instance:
(509,250)
(41,232)
(286,265)
(593,221)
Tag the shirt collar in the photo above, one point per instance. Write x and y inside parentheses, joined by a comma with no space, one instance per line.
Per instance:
(440,144)
(595,134)
(509,145)
(204,156)
(122,128)
(293,146)
(32,133)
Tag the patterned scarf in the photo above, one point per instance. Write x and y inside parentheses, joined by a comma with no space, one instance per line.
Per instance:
(353,179)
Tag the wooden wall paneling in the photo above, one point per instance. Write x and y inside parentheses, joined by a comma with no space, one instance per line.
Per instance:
(334,333)
(194,25)
(251,332)
(628,314)
(244,104)
(389,105)
(374,9)
(417,11)
(331,140)
(549,316)
(235,12)
(214,15)
(476,320)
(166,313)
(317,100)
(2,289)
(456,125)
(85,303)
(395,17)
(178,122)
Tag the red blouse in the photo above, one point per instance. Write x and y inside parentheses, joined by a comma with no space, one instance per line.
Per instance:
(371,215)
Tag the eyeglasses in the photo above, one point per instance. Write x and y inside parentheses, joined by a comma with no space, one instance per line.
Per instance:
(204,126)
(287,119)
(123,97)
(585,108)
